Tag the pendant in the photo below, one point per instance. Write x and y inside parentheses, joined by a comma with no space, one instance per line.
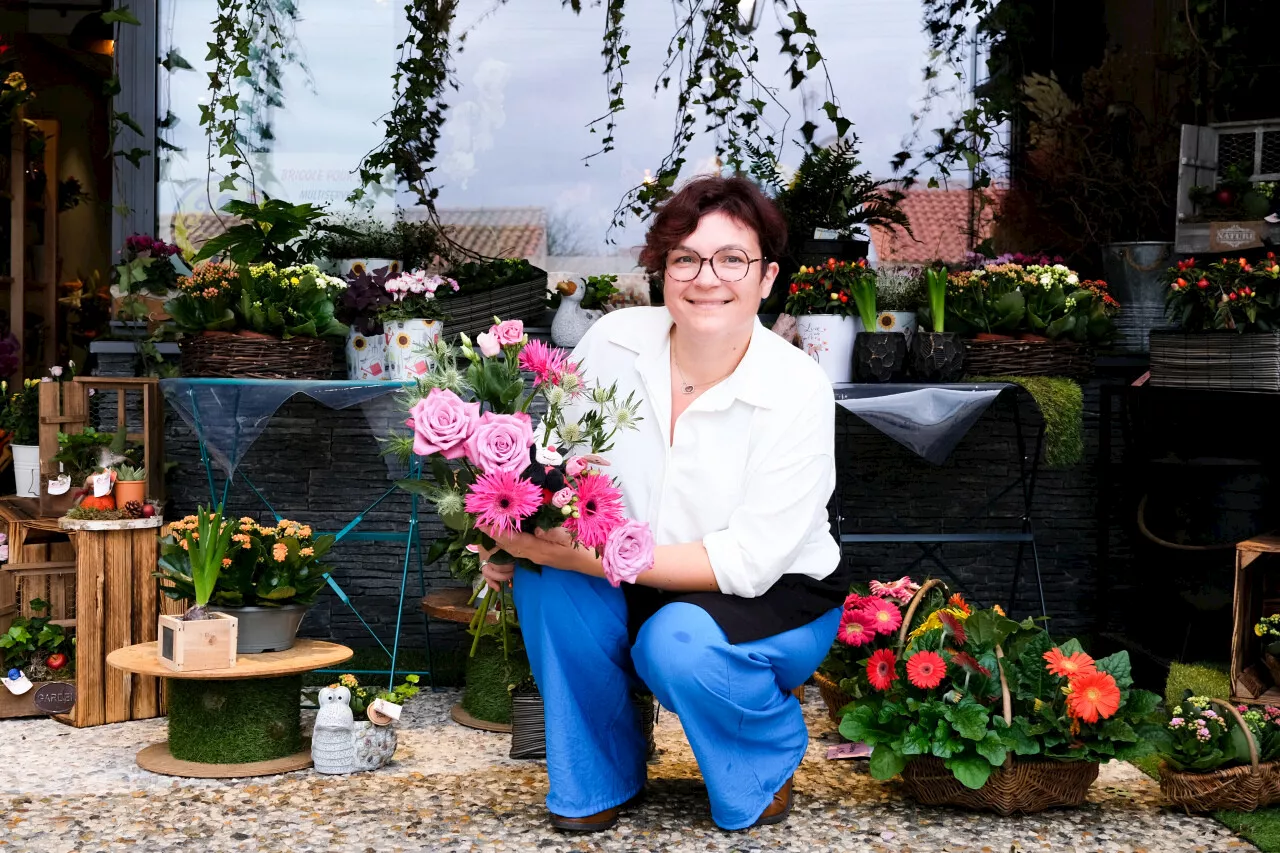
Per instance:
(686,388)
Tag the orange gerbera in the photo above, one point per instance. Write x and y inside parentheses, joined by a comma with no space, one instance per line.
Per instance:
(1092,696)
(957,600)
(1066,666)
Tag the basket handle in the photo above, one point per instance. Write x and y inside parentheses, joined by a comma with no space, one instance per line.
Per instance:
(911,609)
(1006,698)
(1248,735)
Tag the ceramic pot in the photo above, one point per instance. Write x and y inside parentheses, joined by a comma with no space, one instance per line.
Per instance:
(366,356)
(265,629)
(828,340)
(880,357)
(359,266)
(404,341)
(897,321)
(937,356)
(130,490)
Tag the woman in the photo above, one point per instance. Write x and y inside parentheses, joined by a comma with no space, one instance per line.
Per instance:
(732,467)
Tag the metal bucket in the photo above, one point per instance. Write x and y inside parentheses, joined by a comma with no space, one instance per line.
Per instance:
(1133,273)
(266,629)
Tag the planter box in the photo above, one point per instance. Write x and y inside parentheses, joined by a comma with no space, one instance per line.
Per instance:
(24,705)
(1217,360)
(473,313)
(1027,358)
(205,644)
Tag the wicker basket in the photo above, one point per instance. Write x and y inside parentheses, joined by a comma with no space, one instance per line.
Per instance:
(1019,787)
(257,356)
(1241,789)
(1027,358)
(528,726)
(1222,360)
(473,313)
(832,695)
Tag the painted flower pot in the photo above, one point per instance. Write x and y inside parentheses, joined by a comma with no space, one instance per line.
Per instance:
(404,341)
(897,321)
(828,339)
(26,469)
(937,356)
(880,357)
(366,356)
(359,266)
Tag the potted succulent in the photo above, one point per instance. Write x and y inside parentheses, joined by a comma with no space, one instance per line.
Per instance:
(936,355)
(131,485)
(270,577)
(200,638)
(821,298)
(413,319)
(21,420)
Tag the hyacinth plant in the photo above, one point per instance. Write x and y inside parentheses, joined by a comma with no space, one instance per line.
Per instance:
(491,469)
(940,694)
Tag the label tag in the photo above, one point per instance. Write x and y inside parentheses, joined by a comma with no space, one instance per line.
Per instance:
(102,484)
(55,697)
(61,485)
(849,750)
(382,712)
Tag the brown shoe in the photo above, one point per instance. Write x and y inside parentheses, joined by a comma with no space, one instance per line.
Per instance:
(778,810)
(597,822)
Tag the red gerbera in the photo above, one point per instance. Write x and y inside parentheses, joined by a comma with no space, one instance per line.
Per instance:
(1093,695)
(1061,665)
(884,616)
(882,669)
(926,669)
(855,630)
(599,510)
(501,500)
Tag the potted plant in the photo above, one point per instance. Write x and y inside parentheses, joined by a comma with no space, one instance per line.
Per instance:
(270,577)
(362,244)
(577,306)
(979,711)
(821,298)
(879,355)
(937,355)
(200,638)
(146,276)
(899,292)
(1217,756)
(510,287)
(131,485)
(360,306)
(21,420)
(413,319)
(34,648)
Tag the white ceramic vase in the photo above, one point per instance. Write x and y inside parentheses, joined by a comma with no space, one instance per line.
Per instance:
(26,469)
(828,339)
(366,356)
(346,266)
(404,341)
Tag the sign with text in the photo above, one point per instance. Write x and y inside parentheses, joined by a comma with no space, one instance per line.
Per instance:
(1232,236)
(55,697)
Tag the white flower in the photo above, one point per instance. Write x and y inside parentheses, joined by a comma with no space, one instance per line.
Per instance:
(571,384)
(55,371)
(570,433)
(1073,279)
(1046,279)
(556,396)
(1060,267)
(623,418)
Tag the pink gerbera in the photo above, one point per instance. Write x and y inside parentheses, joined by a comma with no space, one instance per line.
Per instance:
(544,362)
(599,510)
(855,630)
(902,589)
(855,601)
(884,616)
(500,500)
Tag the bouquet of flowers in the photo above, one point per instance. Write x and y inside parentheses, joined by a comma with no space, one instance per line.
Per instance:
(940,694)
(491,469)
(1231,294)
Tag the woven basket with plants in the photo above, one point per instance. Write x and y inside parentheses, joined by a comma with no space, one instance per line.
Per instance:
(981,712)
(511,288)
(1221,757)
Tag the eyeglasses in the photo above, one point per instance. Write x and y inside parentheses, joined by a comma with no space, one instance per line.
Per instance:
(726,264)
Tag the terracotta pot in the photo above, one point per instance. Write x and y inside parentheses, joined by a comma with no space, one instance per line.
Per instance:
(130,490)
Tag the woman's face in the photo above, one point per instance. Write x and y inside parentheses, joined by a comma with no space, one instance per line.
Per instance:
(708,305)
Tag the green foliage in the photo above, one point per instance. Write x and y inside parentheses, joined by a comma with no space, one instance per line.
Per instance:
(205,546)
(129,473)
(1061,404)
(274,231)
(1200,679)
(360,237)
(482,276)
(362,696)
(81,453)
(31,638)
(599,289)
(290,302)
(21,415)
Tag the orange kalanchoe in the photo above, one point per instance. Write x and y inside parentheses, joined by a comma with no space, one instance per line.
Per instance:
(1066,666)
(1093,696)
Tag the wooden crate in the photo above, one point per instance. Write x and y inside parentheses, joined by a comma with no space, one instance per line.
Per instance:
(41,564)
(1250,682)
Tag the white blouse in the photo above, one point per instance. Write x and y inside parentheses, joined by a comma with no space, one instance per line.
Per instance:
(753,463)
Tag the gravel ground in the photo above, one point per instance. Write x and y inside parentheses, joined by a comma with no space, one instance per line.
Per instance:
(454,789)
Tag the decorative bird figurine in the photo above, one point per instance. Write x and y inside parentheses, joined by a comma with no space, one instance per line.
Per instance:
(340,745)
(572,320)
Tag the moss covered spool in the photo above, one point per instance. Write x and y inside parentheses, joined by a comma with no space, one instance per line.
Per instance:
(234,722)
(490,679)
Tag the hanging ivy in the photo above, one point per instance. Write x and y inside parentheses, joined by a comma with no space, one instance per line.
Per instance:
(119,119)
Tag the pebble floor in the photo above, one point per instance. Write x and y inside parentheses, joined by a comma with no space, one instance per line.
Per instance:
(454,789)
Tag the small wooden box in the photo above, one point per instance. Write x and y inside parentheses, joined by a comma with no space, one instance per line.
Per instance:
(204,644)
(1246,648)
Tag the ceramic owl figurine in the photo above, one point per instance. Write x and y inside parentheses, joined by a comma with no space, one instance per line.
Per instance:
(340,745)
(572,320)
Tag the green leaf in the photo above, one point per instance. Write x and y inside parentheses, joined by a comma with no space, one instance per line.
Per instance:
(969,719)
(992,748)
(121,15)
(885,762)
(227,184)
(1117,666)
(972,771)
(174,60)
(986,629)
(127,121)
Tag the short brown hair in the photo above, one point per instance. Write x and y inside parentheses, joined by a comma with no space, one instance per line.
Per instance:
(737,198)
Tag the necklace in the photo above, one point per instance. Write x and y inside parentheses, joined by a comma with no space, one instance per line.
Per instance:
(687,387)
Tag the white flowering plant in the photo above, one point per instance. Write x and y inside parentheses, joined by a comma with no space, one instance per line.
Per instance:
(288,301)
(1049,300)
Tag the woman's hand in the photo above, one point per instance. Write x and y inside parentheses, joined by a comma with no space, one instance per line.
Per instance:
(548,548)
(495,574)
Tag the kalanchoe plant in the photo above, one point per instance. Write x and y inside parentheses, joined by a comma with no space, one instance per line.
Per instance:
(205,299)
(362,696)
(1228,295)
(1204,736)
(21,416)
(289,301)
(1047,300)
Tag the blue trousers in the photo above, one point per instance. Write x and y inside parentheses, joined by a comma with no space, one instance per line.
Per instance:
(734,702)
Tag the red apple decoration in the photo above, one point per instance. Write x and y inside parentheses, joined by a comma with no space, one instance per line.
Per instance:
(148,511)
(1226,198)
(56,661)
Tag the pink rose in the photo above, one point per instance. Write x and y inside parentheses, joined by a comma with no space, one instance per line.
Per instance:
(488,344)
(508,332)
(442,422)
(562,497)
(501,443)
(575,465)
(628,552)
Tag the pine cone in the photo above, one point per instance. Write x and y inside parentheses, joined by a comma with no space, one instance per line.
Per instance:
(133,509)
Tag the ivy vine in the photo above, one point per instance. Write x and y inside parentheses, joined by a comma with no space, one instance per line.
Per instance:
(111,87)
